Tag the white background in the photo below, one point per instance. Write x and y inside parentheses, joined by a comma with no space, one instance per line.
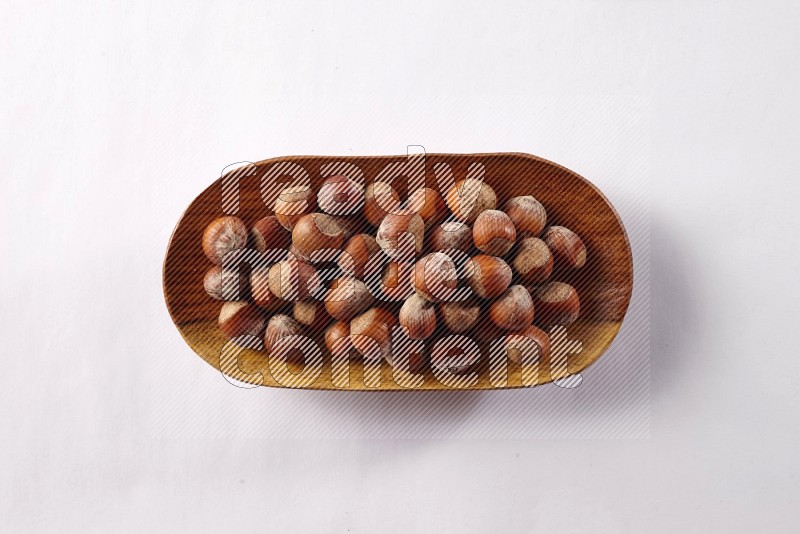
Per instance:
(115,115)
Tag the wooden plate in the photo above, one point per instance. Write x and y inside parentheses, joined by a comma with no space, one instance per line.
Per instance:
(604,283)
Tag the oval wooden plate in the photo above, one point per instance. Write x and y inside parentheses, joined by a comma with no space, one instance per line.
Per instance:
(604,283)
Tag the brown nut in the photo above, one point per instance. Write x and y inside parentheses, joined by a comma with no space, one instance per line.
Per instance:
(494,233)
(434,277)
(529,345)
(268,234)
(453,235)
(396,281)
(567,247)
(224,235)
(380,198)
(397,223)
(349,298)
(259,288)
(293,203)
(360,249)
(225,284)
(371,333)
(418,317)
(428,203)
(460,316)
(513,310)
(317,231)
(293,279)
(527,214)
(339,195)
(469,198)
(239,318)
(556,304)
(337,339)
(490,276)
(278,327)
(311,314)
(532,260)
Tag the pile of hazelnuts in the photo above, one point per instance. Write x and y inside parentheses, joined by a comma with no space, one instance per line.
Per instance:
(455,263)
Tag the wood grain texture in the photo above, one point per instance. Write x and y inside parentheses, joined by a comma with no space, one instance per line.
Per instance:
(604,283)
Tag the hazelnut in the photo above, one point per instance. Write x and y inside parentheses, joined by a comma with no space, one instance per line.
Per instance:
(453,235)
(556,304)
(337,339)
(380,199)
(262,296)
(239,318)
(490,276)
(434,277)
(311,314)
(225,284)
(428,203)
(224,235)
(293,279)
(513,310)
(468,198)
(339,195)
(532,260)
(418,317)
(361,248)
(527,214)
(371,333)
(519,345)
(494,233)
(317,231)
(567,247)
(268,234)
(293,203)
(278,327)
(395,281)
(350,297)
(397,223)
(460,316)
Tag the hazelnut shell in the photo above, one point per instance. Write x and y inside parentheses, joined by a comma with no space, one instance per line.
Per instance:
(293,203)
(397,223)
(490,276)
(567,247)
(349,298)
(469,198)
(556,303)
(527,214)
(380,199)
(513,310)
(532,260)
(222,236)
(435,277)
(494,233)
(418,317)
